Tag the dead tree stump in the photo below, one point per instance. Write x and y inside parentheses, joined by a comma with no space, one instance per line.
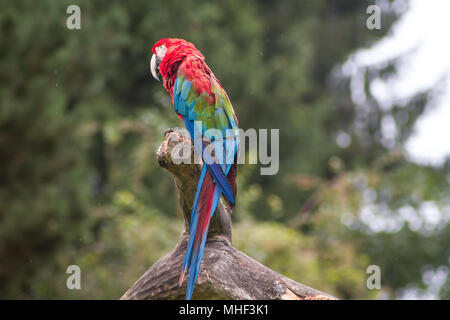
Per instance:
(225,272)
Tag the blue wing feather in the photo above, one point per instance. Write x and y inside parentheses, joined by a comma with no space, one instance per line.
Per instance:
(189,115)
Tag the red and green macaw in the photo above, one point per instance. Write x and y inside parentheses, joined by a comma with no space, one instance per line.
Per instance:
(204,107)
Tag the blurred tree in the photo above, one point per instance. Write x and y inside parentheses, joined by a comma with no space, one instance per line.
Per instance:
(81,118)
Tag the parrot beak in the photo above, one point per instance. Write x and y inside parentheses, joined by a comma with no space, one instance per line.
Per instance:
(153,67)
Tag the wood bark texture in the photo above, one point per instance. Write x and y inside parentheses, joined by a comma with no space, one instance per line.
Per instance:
(225,272)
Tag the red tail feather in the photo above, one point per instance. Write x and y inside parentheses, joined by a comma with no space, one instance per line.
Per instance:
(205,201)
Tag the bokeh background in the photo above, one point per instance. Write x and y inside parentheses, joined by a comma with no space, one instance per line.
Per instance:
(81,119)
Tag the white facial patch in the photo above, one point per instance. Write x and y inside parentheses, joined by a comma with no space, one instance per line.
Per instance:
(161,51)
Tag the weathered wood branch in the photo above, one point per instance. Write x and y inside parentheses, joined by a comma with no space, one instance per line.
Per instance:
(225,272)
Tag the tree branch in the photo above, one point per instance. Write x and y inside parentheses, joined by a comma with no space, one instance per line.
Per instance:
(225,272)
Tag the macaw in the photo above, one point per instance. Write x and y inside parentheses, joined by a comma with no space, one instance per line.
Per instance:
(204,107)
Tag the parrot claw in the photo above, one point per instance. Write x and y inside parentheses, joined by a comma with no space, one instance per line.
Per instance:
(170,130)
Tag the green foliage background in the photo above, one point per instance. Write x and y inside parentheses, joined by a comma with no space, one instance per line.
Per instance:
(81,119)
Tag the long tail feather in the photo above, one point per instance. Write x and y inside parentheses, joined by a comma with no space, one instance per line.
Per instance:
(193,224)
(202,212)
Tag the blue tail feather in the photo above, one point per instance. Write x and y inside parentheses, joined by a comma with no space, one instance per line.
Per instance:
(197,254)
(194,219)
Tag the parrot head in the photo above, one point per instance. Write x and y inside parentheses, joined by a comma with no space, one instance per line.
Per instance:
(167,55)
